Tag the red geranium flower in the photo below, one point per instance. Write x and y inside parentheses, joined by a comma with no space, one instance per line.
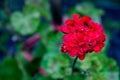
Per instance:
(82,35)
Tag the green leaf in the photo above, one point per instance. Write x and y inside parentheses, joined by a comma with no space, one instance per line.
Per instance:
(57,66)
(25,24)
(32,67)
(9,70)
(44,78)
(40,50)
(74,77)
(89,9)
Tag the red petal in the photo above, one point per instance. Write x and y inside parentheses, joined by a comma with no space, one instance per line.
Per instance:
(64,29)
(81,57)
(75,16)
(72,53)
(63,49)
(97,49)
(69,22)
(85,19)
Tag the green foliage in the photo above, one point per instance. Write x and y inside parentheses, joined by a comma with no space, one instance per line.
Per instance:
(44,78)
(42,6)
(25,23)
(56,65)
(3,15)
(40,50)
(74,77)
(9,70)
(32,67)
(88,9)
(111,25)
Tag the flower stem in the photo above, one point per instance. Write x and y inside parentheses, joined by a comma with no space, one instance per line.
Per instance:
(73,64)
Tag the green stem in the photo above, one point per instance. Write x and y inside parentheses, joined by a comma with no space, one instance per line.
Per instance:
(73,65)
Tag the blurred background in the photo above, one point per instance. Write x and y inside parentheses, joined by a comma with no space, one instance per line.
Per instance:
(30,41)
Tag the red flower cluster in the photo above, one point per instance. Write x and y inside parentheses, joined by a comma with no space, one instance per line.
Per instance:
(82,35)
